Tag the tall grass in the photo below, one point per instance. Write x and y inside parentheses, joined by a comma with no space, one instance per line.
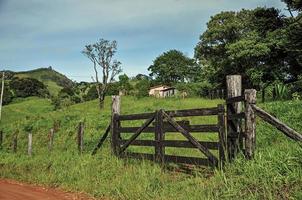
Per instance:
(275,173)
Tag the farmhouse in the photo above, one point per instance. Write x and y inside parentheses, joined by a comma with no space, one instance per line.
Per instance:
(161,91)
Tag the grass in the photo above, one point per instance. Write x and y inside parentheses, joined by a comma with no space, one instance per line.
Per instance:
(49,77)
(275,173)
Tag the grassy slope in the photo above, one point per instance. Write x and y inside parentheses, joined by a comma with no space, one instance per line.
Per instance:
(46,76)
(274,173)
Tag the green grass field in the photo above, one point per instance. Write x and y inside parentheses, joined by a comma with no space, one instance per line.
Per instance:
(275,173)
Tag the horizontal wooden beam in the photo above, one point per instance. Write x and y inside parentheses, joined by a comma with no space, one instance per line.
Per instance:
(174,143)
(235,99)
(136,116)
(194,112)
(169,158)
(289,132)
(170,128)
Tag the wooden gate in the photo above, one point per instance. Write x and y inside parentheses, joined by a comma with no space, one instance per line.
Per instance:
(163,122)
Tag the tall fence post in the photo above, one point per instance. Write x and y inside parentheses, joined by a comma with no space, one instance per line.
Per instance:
(51,137)
(115,124)
(81,137)
(159,137)
(30,143)
(222,136)
(250,123)
(234,88)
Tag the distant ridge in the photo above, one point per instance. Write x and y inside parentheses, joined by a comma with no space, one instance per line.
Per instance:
(54,80)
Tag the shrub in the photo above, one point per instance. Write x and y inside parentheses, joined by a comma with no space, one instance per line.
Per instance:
(25,87)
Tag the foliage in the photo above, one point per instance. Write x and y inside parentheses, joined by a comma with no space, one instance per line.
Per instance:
(25,87)
(124,84)
(172,67)
(142,88)
(101,55)
(248,42)
(7,94)
(281,92)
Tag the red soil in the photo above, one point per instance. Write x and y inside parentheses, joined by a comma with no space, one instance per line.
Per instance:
(12,190)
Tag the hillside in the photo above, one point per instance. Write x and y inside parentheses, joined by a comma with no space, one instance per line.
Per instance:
(54,80)
(275,173)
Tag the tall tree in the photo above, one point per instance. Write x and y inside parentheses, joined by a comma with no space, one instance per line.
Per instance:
(171,67)
(101,55)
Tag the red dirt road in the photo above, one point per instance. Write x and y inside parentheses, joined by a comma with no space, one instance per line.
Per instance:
(11,190)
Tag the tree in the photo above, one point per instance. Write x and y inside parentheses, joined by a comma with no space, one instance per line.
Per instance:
(248,42)
(142,88)
(124,84)
(171,67)
(101,55)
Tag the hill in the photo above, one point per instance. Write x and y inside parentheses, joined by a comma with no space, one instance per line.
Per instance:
(54,80)
(275,173)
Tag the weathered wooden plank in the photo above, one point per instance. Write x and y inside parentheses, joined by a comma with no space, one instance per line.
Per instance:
(159,137)
(136,134)
(234,89)
(51,138)
(80,137)
(234,99)
(138,116)
(115,124)
(236,116)
(170,128)
(174,143)
(188,160)
(193,112)
(185,133)
(289,132)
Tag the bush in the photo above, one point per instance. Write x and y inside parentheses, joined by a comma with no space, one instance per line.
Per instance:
(142,88)
(25,87)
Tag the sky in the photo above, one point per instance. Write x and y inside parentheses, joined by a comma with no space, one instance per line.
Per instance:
(42,33)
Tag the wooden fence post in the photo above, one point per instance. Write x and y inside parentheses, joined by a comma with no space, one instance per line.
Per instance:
(234,88)
(159,137)
(15,142)
(81,137)
(1,138)
(250,123)
(30,142)
(51,137)
(115,124)
(222,136)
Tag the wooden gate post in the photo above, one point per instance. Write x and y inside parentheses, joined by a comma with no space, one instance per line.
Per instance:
(81,137)
(30,142)
(250,123)
(115,124)
(222,136)
(234,88)
(159,137)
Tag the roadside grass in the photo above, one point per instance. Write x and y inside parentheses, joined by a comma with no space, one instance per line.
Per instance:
(275,173)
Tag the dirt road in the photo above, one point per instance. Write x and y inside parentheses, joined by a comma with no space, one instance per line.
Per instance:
(11,190)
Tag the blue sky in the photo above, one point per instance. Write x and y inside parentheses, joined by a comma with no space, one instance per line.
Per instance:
(42,33)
